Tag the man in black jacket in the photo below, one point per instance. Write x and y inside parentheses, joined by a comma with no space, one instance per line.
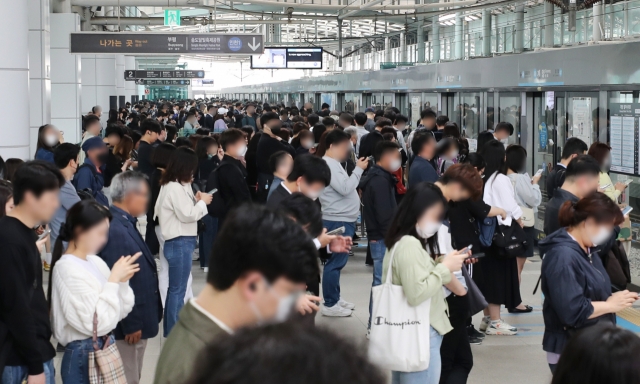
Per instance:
(25,330)
(269,144)
(310,175)
(370,140)
(230,176)
(581,178)
(379,201)
(572,148)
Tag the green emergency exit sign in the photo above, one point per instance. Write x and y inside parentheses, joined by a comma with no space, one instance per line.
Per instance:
(172,17)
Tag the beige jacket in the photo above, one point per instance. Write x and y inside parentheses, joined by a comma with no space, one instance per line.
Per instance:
(177,210)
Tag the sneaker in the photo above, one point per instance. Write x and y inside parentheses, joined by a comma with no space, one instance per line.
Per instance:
(473,332)
(206,269)
(335,311)
(485,324)
(475,340)
(346,304)
(46,266)
(499,327)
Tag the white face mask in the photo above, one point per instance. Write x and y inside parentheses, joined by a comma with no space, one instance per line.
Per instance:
(242,151)
(453,155)
(51,139)
(313,195)
(600,237)
(307,144)
(395,165)
(427,229)
(285,306)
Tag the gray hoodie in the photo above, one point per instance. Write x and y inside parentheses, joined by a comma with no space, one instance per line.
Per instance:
(340,201)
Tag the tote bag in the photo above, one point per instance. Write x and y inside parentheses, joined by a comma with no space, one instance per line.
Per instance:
(105,365)
(399,338)
(528,216)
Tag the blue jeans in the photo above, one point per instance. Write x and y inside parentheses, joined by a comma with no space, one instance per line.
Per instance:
(206,239)
(15,374)
(333,266)
(429,376)
(378,250)
(178,252)
(75,362)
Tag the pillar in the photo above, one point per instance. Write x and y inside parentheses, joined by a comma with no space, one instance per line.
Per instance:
(403,48)
(435,37)
(548,24)
(129,86)
(66,112)
(458,36)
(597,22)
(420,35)
(625,19)
(353,58)
(362,57)
(39,69)
(98,83)
(486,32)
(120,91)
(519,43)
(14,77)
(387,49)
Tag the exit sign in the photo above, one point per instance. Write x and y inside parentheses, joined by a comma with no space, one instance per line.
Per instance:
(172,17)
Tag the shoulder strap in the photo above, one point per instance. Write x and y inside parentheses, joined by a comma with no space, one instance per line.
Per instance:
(390,269)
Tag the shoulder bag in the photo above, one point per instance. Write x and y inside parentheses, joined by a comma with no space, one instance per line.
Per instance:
(528,216)
(105,365)
(399,332)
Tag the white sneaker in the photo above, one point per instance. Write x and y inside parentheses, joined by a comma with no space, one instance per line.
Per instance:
(501,328)
(484,324)
(346,304)
(335,311)
(206,269)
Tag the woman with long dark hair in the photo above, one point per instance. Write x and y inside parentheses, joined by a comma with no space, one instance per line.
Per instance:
(81,286)
(412,249)
(178,211)
(6,198)
(575,284)
(498,277)
(48,138)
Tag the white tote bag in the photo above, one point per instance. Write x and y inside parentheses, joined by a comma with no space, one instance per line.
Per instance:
(400,333)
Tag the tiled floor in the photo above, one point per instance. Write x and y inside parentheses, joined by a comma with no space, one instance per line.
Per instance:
(500,359)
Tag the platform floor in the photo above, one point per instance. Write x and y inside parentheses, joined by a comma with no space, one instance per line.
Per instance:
(500,359)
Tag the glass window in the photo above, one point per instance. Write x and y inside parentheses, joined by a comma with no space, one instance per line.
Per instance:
(388,100)
(467,114)
(509,110)
(352,103)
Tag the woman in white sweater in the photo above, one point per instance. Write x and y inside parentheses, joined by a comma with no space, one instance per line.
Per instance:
(178,211)
(82,285)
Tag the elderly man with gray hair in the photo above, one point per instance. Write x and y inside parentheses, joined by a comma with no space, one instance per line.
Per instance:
(130,195)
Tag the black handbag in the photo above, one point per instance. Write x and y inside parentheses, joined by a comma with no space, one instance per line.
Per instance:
(509,241)
(477,302)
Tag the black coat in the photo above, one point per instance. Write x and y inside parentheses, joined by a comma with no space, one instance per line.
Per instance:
(231,178)
(208,122)
(379,201)
(368,143)
(571,280)
(124,239)
(551,223)
(464,217)
(555,179)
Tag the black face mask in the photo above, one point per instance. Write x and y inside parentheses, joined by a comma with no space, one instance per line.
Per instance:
(103,157)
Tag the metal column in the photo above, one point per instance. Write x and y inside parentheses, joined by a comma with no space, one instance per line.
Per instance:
(435,38)
(458,36)
(362,57)
(387,49)
(403,48)
(519,43)
(625,20)
(420,34)
(548,25)
(486,32)
(597,22)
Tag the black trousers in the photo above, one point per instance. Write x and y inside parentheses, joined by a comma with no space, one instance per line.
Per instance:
(264,182)
(455,352)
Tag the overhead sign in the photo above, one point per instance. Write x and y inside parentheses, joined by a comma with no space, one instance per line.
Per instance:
(132,75)
(288,58)
(163,82)
(165,43)
(172,17)
(202,82)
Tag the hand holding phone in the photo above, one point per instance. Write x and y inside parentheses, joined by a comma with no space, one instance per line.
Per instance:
(211,192)
(44,234)
(539,172)
(337,231)
(626,210)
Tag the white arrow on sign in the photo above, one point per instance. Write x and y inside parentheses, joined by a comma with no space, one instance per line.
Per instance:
(254,46)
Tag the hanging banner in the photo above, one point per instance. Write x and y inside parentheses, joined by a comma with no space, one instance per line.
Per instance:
(582,124)
(416,103)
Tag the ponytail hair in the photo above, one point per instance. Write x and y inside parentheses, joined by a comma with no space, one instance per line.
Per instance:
(595,205)
(81,217)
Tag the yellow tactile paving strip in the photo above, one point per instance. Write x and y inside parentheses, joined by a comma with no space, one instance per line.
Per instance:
(632,315)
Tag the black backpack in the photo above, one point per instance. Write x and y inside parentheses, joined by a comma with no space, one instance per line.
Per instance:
(509,241)
(220,203)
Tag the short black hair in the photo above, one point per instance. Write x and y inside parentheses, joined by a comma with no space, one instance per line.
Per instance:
(427,113)
(161,154)
(172,132)
(90,119)
(114,129)
(183,142)
(150,125)
(64,153)
(420,139)
(37,177)
(304,211)
(574,146)
(384,147)
(327,121)
(324,105)
(230,137)
(361,118)
(516,158)
(503,125)
(400,119)
(313,119)
(582,165)
(276,159)
(284,112)
(389,114)
(383,122)
(336,136)
(442,120)
(304,354)
(275,247)
(265,118)
(312,168)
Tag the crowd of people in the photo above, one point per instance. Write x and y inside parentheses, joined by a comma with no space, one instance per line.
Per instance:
(269,198)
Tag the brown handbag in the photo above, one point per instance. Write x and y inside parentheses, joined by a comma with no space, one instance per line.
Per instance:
(105,365)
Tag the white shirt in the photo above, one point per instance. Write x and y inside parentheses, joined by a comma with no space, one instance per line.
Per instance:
(219,323)
(88,265)
(76,295)
(498,192)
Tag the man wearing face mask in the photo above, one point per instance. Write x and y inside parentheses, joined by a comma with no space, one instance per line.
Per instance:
(90,174)
(581,178)
(254,277)
(270,143)
(501,133)
(65,157)
(379,202)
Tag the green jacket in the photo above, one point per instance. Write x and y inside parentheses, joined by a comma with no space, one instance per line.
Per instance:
(421,278)
(191,334)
